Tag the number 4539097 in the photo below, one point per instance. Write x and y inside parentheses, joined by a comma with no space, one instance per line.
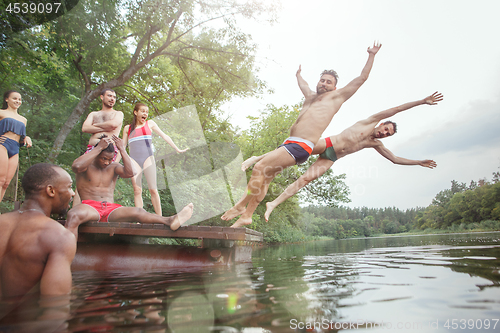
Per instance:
(479,324)
(33,8)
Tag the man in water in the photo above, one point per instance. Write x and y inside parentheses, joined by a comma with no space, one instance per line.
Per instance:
(35,251)
(317,111)
(361,135)
(96,177)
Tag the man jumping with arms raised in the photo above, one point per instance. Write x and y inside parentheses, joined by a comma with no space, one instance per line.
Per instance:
(96,177)
(318,110)
(361,135)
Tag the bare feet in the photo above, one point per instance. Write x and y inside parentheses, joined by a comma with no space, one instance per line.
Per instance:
(249,162)
(241,222)
(182,216)
(269,209)
(232,213)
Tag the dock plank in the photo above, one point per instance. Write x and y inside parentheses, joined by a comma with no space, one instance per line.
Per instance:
(161,230)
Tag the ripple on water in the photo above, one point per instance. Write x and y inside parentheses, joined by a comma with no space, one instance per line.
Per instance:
(413,282)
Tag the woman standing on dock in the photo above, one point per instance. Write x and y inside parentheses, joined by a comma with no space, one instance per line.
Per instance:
(139,138)
(12,136)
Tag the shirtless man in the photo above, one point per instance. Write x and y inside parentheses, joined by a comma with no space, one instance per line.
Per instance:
(361,135)
(106,121)
(35,251)
(96,177)
(318,110)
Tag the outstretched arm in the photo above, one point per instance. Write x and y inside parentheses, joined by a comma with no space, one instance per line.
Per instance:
(403,161)
(430,100)
(355,84)
(304,87)
(165,137)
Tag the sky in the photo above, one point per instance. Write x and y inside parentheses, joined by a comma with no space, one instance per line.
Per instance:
(450,46)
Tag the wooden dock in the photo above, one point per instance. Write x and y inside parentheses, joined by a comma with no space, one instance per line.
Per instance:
(123,246)
(161,230)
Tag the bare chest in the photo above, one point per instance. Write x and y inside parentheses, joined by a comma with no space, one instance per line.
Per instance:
(101,116)
(349,142)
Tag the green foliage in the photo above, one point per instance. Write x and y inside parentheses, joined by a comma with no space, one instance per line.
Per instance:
(328,190)
(342,222)
(166,53)
(169,54)
(462,206)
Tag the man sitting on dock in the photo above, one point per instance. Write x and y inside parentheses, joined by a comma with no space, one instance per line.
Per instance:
(35,251)
(96,177)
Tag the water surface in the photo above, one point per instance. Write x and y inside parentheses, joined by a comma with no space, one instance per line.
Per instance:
(436,283)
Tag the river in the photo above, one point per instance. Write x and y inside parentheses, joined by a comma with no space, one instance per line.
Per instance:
(431,283)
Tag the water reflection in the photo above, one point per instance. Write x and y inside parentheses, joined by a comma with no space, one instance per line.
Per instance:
(419,283)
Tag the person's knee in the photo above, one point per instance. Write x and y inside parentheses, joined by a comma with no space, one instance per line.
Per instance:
(137,212)
(305,179)
(153,191)
(74,218)
(137,190)
(258,169)
(4,183)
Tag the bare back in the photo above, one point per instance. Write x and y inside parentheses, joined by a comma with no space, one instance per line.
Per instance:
(97,184)
(99,117)
(27,243)
(317,113)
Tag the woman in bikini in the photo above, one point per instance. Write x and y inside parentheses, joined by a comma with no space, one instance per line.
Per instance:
(139,138)
(12,136)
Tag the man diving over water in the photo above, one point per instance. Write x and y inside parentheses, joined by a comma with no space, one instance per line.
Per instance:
(318,110)
(361,135)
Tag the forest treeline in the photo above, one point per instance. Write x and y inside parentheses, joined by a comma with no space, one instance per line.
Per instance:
(459,208)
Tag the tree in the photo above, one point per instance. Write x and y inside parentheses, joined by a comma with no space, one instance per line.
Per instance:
(107,43)
(444,196)
(496,177)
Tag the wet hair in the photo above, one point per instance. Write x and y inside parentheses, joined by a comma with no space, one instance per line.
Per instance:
(103,92)
(5,96)
(37,177)
(332,73)
(110,148)
(137,106)
(393,125)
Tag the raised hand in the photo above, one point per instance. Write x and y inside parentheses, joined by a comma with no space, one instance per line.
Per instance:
(428,164)
(118,143)
(299,70)
(434,98)
(104,142)
(374,49)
